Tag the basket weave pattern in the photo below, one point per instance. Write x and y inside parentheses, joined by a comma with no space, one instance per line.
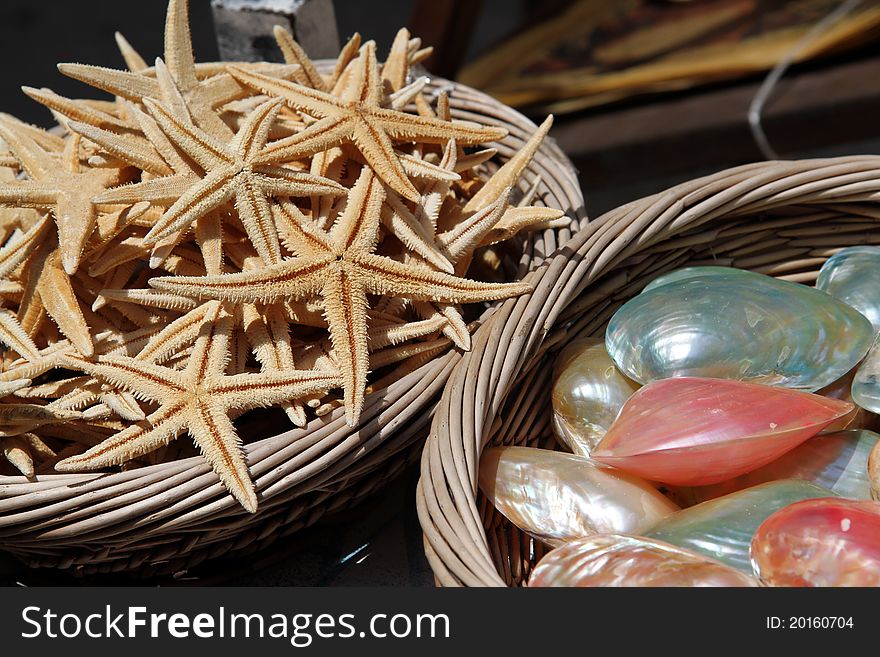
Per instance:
(170,517)
(779,218)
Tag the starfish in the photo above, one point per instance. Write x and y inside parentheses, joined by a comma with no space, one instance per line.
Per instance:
(342,268)
(357,117)
(61,186)
(197,400)
(236,171)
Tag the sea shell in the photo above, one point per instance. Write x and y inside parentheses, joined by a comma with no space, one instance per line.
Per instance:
(722,528)
(619,560)
(557,497)
(685,273)
(853,276)
(866,384)
(829,542)
(692,432)
(837,461)
(874,472)
(859,418)
(588,392)
(737,325)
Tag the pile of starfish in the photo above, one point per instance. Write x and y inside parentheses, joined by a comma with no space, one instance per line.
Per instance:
(230,236)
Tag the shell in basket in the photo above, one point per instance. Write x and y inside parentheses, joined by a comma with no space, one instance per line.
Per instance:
(779,218)
(227,237)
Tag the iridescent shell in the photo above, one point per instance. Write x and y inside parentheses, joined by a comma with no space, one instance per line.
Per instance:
(557,497)
(859,418)
(866,384)
(853,276)
(829,542)
(588,392)
(874,472)
(685,273)
(722,528)
(837,461)
(692,432)
(737,325)
(619,560)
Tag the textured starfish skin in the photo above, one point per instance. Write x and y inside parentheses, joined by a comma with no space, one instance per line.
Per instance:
(235,171)
(358,118)
(197,400)
(65,190)
(342,268)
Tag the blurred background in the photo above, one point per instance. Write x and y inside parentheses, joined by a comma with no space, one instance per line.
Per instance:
(646,93)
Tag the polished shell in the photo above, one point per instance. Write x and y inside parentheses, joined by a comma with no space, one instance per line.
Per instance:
(827,542)
(722,528)
(693,431)
(618,560)
(557,497)
(588,392)
(737,325)
(853,276)
(837,461)
(866,384)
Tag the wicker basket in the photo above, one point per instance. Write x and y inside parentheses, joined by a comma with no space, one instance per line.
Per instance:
(778,218)
(167,518)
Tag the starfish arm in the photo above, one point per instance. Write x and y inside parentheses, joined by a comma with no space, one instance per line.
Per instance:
(133,59)
(299,233)
(215,435)
(125,251)
(468,234)
(405,95)
(132,86)
(282,181)
(29,194)
(358,227)
(153,298)
(159,190)
(76,218)
(396,65)
(159,429)
(14,336)
(159,140)
(395,334)
(60,301)
(346,55)
(379,153)
(17,250)
(178,44)
(345,308)
(471,160)
(295,278)
(294,54)
(210,354)
(421,169)
(192,140)
(145,380)
(410,127)
(296,95)
(454,327)
(75,110)
(255,214)
(254,132)
(247,391)
(209,236)
(318,137)
(412,233)
(389,277)
(510,171)
(37,162)
(181,331)
(16,385)
(128,148)
(207,194)
(124,404)
(365,86)
(518,219)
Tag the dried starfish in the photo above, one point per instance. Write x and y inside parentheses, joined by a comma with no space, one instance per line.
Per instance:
(343,269)
(357,117)
(237,171)
(62,186)
(197,400)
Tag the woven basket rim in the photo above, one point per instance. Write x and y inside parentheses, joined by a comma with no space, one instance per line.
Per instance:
(508,348)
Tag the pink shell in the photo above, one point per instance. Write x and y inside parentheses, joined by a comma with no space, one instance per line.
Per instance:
(824,542)
(690,431)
